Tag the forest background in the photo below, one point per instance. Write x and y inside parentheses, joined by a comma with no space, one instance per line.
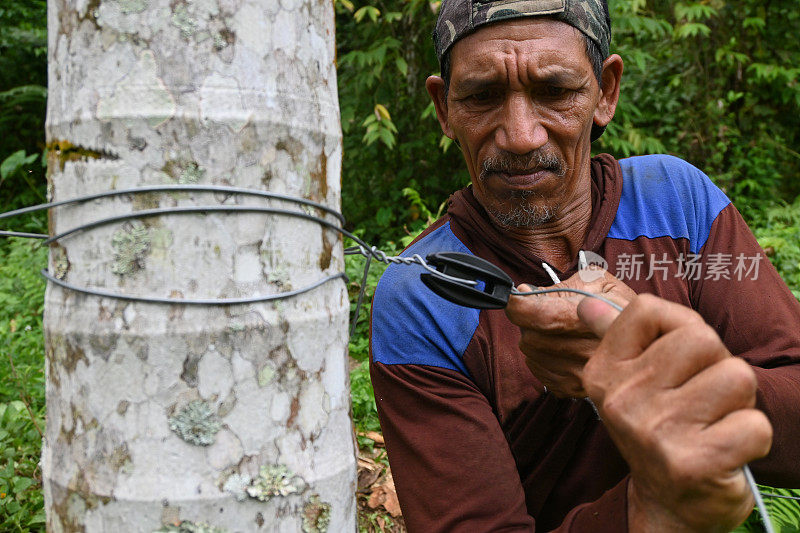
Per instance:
(715,82)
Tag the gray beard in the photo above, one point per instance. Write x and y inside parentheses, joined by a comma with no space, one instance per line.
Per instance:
(520,214)
(523,215)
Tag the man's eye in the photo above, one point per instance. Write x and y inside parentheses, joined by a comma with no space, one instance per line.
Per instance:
(484,96)
(553,91)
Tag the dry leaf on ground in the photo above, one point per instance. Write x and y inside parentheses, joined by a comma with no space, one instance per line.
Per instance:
(384,494)
(374,435)
(368,472)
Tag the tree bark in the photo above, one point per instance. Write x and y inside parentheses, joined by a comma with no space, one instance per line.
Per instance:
(175,417)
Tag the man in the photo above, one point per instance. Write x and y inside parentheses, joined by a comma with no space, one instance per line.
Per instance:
(483,411)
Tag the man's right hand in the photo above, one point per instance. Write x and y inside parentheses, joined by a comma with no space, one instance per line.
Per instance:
(680,409)
(555,342)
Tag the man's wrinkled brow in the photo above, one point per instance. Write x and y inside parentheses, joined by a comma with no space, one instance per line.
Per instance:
(475,84)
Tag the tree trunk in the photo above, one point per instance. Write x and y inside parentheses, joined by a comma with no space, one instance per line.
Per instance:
(184,418)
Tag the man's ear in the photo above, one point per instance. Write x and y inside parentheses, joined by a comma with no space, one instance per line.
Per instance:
(435,86)
(607,105)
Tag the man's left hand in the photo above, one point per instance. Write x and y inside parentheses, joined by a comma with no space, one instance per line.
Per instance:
(555,342)
(681,411)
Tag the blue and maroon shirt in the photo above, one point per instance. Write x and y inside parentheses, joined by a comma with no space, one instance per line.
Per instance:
(476,443)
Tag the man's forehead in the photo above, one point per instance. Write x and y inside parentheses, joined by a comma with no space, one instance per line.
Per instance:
(539,43)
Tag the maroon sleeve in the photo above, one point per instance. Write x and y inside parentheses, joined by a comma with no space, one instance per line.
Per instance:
(452,466)
(757,318)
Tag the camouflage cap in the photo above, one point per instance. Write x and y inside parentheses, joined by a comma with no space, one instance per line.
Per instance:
(458,18)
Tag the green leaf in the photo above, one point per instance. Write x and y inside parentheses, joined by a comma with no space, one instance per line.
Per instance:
(372,12)
(430,111)
(24,93)
(391,16)
(757,23)
(38,518)
(384,216)
(370,137)
(694,12)
(22,483)
(387,137)
(692,29)
(14,162)
(402,66)
(347,4)
(445,142)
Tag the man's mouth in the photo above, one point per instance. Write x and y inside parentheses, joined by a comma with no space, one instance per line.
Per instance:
(523,178)
(516,170)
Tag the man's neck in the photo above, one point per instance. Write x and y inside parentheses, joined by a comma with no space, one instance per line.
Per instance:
(558,242)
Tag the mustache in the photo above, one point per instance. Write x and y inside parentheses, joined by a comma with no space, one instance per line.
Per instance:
(523,164)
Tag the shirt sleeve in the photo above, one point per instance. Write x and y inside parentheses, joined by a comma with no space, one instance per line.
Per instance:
(451,464)
(755,314)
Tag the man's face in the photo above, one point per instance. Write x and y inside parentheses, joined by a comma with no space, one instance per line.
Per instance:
(521,104)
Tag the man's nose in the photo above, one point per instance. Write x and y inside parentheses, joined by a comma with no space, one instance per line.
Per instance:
(521,130)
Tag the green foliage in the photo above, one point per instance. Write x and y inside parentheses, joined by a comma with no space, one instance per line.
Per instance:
(23,77)
(365,413)
(21,383)
(14,163)
(778,233)
(19,169)
(391,136)
(21,503)
(354,268)
(713,82)
(21,305)
(784,513)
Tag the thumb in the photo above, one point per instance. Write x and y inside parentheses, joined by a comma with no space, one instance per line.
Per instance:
(597,315)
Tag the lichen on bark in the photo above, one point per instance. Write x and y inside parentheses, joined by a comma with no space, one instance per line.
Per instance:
(316,515)
(196,423)
(237,485)
(131,244)
(184,172)
(275,480)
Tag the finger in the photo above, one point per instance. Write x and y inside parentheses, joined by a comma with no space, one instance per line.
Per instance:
(592,279)
(740,438)
(681,354)
(644,320)
(547,313)
(555,370)
(727,386)
(574,348)
(597,315)
(562,384)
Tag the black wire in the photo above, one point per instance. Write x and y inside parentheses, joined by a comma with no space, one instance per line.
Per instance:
(199,209)
(189,210)
(191,301)
(23,235)
(177,188)
(784,496)
(361,291)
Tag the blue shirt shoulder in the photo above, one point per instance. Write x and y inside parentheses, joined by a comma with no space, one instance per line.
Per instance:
(663,196)
(410,323)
